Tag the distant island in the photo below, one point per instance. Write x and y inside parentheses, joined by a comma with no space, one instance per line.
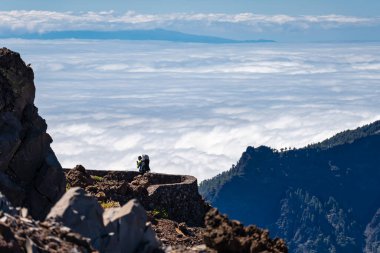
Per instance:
(150,35)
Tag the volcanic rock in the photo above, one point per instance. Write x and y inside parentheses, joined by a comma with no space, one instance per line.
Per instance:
(122,229)
(226,235)
(127,228)
(78,177)
(82,213)
(30,174)
(20,233)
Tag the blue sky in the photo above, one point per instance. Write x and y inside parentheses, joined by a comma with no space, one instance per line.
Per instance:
(289,7)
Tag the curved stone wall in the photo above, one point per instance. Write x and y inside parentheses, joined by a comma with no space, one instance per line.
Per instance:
(174,196)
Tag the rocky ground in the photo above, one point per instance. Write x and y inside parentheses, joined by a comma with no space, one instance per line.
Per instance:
(177,235)
(217,231)
(113,189)
(20,233)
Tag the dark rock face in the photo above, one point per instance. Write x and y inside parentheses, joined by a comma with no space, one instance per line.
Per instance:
(322,198)
(30,174)
(226,235)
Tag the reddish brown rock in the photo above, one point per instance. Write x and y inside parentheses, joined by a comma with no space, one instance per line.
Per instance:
(226,235)
(77,177)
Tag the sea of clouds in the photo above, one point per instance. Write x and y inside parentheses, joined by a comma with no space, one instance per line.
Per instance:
(194,108)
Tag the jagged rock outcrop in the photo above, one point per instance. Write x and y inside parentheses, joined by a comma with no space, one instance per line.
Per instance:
(123,229)
(226,235)
(30,174)
(78,177)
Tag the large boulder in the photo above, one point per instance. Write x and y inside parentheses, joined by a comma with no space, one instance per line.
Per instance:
(128,229)
(82,213)
(123,229)
(30,174)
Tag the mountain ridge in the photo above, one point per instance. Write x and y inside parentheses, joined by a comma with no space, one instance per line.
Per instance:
(320,198)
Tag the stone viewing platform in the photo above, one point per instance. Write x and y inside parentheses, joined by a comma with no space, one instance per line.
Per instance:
(174,196)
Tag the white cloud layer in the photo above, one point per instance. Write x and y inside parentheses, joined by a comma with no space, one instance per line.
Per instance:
(195,108)
(220,24)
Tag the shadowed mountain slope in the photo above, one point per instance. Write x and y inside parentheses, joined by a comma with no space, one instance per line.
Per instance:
(321,198)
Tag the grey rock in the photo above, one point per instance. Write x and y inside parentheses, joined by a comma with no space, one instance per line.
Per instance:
(82,213)
(127,229)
